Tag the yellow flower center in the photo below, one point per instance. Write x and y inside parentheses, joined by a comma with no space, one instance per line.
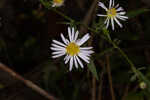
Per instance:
(58,1)
(72,49)
(111,12)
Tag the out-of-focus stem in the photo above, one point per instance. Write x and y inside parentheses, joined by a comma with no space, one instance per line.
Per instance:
(93,88)
(110,77)
(28,83)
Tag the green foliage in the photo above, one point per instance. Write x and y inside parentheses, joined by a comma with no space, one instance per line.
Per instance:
(92,68)
(134,96)
(135,13)
(1,86)
(46,3)
(134,76)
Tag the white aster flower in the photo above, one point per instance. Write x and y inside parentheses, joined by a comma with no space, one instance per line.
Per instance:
(57,3)
(71,48)
(114,12)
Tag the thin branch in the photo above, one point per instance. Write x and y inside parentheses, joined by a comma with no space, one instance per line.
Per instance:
(28,83)
(125,93)
(93,88)
(102,64)
(110,77)
(100,86)
(88,16)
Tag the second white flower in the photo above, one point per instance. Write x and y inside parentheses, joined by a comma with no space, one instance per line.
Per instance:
(114,12)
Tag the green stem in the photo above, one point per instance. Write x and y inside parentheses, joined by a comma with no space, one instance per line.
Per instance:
(122,53)
(140,76)
(63,15)
(126,57)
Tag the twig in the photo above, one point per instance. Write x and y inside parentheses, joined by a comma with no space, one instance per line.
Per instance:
(80,3)
(28,83)
(88,16)
(100,86)
(125,93)
(102,64)
(110,77)
(93,88)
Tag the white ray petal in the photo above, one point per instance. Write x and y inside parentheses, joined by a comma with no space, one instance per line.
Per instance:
(57,46)
(85,51)
(102,5)
(54,5)
(112,23)
(107,24)
(69,33)
(118,22)
(71,64)
(101,15)
(85,48)
(124,17)
(75,61)
(56,56)
(120,9)
(79,61)
(72,34)
(57,49)
(86,55)
(121,18)
(63,38)
(122,13)
(59,43)
(106,20)
(57,52)
(117,6)
(76,35)
(113,3)
(67,59)
(110,4)
(84,58)
(83,39)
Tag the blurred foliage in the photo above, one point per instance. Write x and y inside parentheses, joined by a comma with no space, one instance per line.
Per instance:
(135,13)
(92,68)
(1,86)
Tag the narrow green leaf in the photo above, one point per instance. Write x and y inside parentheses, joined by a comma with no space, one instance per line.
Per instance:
(135,13)
(92,68)
(47,4)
